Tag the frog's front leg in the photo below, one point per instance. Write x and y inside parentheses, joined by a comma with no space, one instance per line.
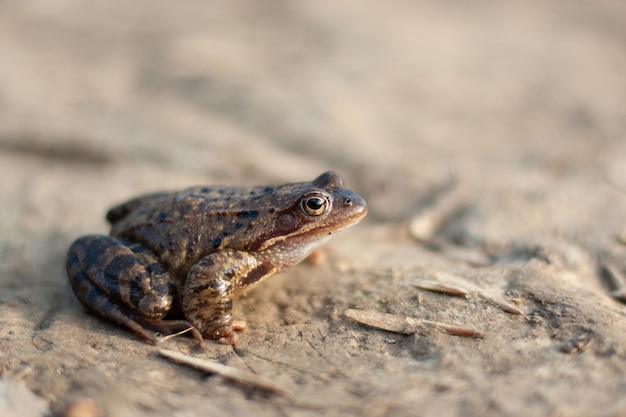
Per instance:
(123,282)
(209,290)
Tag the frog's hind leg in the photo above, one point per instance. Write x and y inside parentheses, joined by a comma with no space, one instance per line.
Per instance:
(97,302)
(124,283)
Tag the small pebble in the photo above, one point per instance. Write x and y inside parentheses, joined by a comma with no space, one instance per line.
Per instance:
(82,407)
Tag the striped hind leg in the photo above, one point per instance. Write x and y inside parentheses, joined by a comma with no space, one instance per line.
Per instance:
(124,283)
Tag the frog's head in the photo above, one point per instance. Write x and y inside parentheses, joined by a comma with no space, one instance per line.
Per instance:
(309,213)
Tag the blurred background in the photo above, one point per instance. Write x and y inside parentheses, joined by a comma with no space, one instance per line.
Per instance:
(524,102)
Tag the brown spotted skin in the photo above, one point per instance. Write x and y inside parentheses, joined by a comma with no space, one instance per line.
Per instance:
(175,261)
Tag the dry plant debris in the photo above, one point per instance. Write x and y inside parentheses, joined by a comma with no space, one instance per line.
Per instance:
(405,325)
(226,372)
(423,227)
(617,280)
(442,289)
(502,305)
(461,292)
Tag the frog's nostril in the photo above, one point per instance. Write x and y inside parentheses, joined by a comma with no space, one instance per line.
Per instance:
(347,202)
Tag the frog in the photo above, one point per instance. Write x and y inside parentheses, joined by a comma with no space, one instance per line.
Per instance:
(175,261)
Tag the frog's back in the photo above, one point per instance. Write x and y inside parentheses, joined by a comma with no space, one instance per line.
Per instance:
(161,205)
(182,227)
(118,213)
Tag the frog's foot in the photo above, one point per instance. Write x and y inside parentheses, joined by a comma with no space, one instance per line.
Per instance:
(224,330)
(239,325)
(231,340)
(174,327)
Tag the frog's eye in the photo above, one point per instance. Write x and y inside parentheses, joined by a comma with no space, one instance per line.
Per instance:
(314,204)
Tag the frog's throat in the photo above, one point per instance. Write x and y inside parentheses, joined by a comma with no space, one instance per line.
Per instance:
(291,251)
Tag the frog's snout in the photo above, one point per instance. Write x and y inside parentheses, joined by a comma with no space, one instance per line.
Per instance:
(355,205)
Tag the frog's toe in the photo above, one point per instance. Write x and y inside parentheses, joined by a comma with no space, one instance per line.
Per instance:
(229,336)
(231,339)
(239,325)
(224,330)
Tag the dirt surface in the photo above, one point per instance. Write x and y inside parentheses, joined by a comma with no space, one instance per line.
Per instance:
(522,104)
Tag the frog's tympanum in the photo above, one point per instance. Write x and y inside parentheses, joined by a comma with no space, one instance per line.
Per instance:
(175,261)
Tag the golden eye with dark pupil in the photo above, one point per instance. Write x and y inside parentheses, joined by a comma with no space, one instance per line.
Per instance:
(313,205)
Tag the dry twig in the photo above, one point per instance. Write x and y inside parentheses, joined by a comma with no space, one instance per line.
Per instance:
(502,305)
(442,289)
(425,225)
(456,291)
(406,325)
(617,280)
(226,372)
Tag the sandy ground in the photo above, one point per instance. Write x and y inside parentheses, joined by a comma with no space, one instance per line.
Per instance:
(522,104)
